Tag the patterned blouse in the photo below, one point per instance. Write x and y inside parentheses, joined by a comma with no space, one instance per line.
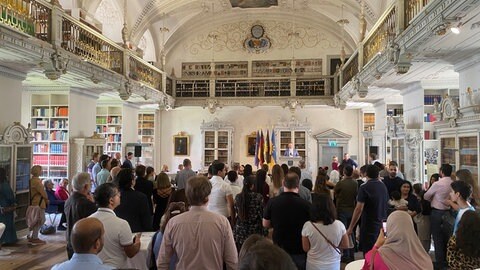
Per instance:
(459,261)
(253,223)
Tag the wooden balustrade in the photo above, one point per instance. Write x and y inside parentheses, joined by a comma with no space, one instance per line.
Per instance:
(91,46)
(383,31)
(142,72)
(412,9)
(350,68)
(30,17)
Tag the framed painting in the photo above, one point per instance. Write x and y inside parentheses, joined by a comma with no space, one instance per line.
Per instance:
(251,143)
(181,145)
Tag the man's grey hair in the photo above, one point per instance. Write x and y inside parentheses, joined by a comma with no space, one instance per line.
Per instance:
(80,180)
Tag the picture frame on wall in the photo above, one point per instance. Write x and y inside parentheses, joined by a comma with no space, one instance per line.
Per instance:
(181,145)
(251,143)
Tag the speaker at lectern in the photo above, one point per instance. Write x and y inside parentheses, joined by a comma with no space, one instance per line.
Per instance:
(290,161)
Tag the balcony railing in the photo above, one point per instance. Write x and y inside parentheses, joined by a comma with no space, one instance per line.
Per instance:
(90,45)
(350,68)
(35,17)
(140,71)
(256,87)
(30,17)
(383,31)
(412,9)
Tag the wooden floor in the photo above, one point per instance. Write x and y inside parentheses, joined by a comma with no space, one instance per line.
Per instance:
(25,256)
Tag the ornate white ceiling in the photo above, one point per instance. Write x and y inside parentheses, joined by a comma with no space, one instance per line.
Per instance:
(185,17)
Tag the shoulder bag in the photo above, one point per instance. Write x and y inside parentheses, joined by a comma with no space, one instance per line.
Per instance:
(328,241)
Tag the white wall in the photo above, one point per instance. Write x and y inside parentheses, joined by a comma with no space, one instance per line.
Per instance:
(413,107)
(247,120)
(130,126)
(10,103)
(82,114)
(469,78)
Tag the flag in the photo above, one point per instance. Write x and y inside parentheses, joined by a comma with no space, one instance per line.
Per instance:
(257,143)
(261,155)
(273,153)
(274,148)
(267,148)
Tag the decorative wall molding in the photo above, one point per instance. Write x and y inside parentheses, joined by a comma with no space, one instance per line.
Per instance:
(255,102)
(231,37)
(413,141)
(16,134)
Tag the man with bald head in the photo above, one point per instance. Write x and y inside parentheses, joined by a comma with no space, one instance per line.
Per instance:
(87,242)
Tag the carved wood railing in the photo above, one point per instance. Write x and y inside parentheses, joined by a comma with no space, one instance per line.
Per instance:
(383,31)
(413,8)
(143,72)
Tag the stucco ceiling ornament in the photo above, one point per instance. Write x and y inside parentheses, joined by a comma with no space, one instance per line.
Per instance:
(212,105)
(231,37)
(257,42)
(450,110)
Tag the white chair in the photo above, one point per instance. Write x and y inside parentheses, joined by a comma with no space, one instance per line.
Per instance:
(355,265)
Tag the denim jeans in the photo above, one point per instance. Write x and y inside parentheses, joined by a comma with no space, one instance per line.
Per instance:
(346,218)
(440,240)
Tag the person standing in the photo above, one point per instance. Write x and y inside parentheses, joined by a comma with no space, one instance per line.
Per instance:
(144,186)
(200,238)
(345,196)
(438,195)
(372,203)
(286,214)
(221,198)
(392,181)
(183,175)
(291,151)
(79,205)
(348,161)
(120,243)
(128,161)
(7,207)
(39,198)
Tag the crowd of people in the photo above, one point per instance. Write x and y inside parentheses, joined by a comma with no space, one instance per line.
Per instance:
(274,218)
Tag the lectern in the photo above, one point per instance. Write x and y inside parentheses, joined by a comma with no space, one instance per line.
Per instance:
(290,161)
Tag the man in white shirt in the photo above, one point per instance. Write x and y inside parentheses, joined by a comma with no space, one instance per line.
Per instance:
(120,243)
(221,198)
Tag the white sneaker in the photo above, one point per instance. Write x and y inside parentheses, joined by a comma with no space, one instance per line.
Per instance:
(4,252)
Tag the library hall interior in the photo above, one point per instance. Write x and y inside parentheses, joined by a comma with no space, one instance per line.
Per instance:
(239,134)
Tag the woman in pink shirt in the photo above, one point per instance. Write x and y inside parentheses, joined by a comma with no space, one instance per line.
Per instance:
(61,193)
(400,249)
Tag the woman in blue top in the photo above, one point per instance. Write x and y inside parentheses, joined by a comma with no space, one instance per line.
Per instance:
(460,195)
(7,208)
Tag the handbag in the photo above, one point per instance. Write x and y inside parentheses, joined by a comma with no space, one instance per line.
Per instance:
(47,229)
(448,222)
(328,241)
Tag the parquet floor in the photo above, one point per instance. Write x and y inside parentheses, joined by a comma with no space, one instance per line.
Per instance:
(25,256)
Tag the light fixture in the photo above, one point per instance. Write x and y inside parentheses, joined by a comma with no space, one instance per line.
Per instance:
(342,22)
(455,29)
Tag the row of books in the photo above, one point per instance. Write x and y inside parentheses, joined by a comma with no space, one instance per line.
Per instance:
(105,129)
(114,138)
(114,148)
(44,124)
(395,112)
(429,117)
(56,135)
(50,112)
(430,135)
(52,160)
(117,120)
(57,148)
(430,99)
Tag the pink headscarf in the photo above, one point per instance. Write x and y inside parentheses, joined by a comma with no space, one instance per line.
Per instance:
(402,248)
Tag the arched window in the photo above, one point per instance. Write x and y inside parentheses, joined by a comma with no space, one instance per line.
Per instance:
(110,15)
(148,47)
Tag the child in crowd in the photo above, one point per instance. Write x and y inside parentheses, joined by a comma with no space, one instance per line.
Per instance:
(397,200)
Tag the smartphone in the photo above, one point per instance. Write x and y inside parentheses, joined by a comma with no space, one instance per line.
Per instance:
(384,224)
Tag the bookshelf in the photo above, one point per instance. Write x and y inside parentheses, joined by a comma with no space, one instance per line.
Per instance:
(231,69)
(308,67)
(146,135)
(297,137)
(217,142)
(196,70)
(368,121)
(49,118)
(109,125)
(276,68)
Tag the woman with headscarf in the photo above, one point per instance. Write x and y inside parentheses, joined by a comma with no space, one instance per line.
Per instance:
(400,248)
